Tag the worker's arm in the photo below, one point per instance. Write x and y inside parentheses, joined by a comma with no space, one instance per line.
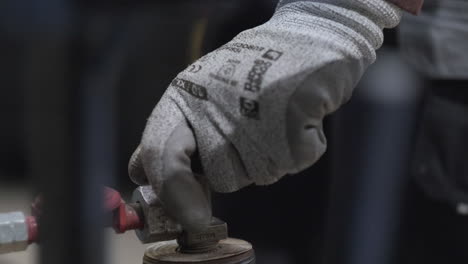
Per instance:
(251,111)
(411,6)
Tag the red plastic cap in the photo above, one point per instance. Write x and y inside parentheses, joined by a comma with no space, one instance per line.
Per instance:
(112,199)
(126,218)
(32,229)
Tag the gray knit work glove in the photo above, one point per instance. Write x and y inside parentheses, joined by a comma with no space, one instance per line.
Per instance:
(252,110)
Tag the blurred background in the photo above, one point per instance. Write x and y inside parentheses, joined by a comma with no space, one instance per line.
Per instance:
(79,80)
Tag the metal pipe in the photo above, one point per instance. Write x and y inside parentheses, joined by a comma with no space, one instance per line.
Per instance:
(72,70)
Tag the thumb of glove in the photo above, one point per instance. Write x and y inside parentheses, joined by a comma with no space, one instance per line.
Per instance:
(135,168)
(164,159)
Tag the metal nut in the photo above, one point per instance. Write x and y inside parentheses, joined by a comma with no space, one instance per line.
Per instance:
(203,241)
(157,225)
(13,232)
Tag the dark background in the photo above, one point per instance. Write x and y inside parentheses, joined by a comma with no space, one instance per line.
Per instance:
(310,217)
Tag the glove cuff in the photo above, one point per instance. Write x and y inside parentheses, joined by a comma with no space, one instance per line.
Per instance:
(359,21)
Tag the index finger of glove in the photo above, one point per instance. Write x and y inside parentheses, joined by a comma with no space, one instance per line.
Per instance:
(166,151)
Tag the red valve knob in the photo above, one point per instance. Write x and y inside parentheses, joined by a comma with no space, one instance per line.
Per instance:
(124,217)
(32,229)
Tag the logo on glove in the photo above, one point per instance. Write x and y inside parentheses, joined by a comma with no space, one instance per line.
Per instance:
(191,88)
(272,55)
(255,77)
(249,108)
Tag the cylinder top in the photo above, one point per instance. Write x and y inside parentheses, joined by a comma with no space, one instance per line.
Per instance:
(228,251)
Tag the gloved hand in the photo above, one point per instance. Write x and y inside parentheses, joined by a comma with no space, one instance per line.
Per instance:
(252,110)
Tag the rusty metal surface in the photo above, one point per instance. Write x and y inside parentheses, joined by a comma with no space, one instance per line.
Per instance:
(228,251)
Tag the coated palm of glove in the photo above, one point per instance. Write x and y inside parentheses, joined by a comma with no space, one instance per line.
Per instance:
(252,110)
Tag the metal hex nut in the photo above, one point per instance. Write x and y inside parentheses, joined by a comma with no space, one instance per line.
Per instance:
(13,232)
(157,225)
(205,240)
